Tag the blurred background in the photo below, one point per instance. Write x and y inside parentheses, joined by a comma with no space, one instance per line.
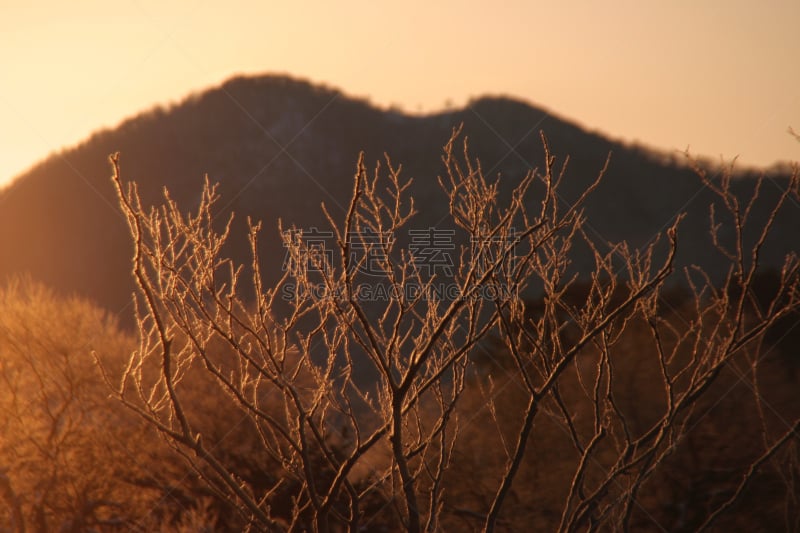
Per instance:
(718,77)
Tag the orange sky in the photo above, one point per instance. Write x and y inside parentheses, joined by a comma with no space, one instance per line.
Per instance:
(720,76)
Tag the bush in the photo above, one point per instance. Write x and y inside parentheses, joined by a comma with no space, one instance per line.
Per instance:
(392,390)
(62,458)
(72,458)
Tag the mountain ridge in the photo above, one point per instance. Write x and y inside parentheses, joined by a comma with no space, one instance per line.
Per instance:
(280,146)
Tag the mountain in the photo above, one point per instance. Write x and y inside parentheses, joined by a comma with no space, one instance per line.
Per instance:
(279,147)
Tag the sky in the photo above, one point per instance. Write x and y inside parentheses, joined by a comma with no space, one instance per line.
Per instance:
(719,77)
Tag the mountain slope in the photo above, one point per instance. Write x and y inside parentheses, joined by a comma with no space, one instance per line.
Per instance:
(279,147)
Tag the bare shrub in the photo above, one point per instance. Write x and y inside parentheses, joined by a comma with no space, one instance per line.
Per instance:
(478,410)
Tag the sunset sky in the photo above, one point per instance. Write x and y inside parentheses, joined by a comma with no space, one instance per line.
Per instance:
(722,77)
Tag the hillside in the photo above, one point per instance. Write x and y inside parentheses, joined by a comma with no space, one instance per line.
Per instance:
(279,147)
